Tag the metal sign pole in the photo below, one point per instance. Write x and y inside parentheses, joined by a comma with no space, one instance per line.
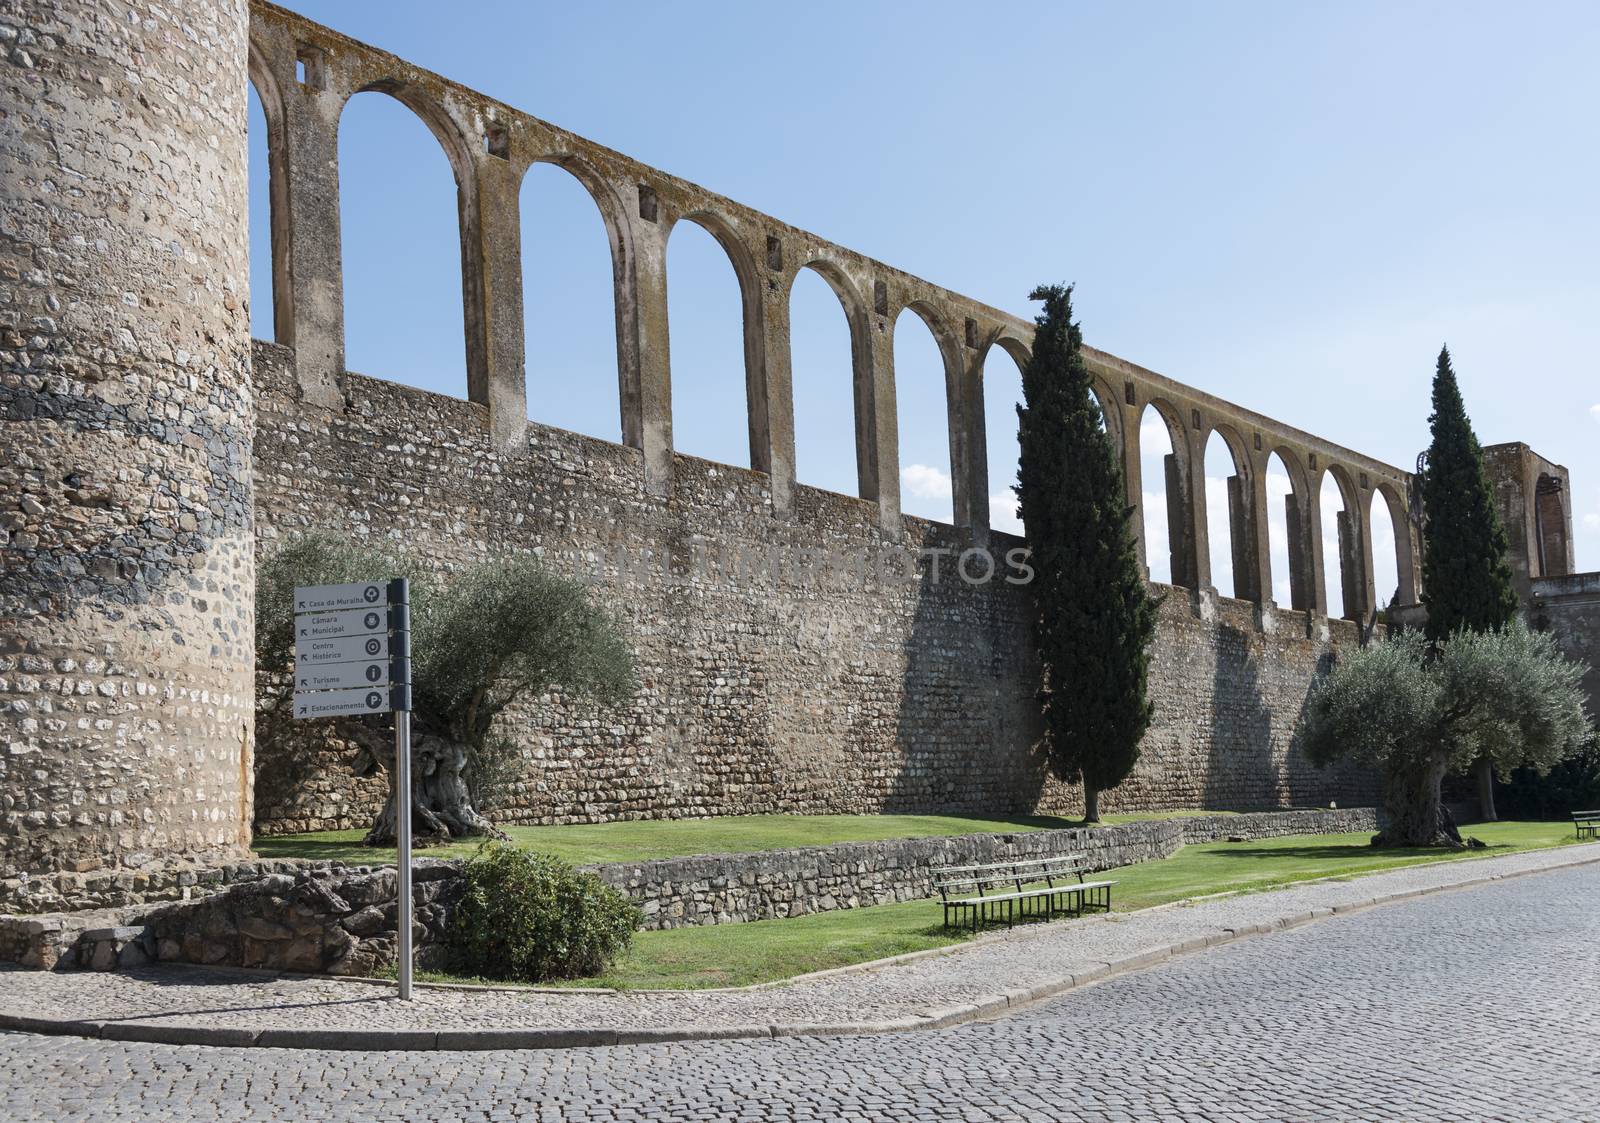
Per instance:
(400,622)
(352,656)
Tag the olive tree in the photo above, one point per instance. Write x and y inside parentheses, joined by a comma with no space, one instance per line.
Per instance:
(481,639)
(1416,709)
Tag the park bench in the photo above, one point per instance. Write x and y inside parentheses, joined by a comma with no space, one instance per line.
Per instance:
(1025,887)
(1587,823)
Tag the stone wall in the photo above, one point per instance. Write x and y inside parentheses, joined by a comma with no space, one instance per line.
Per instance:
(160,880)
(328,918)
(772,681)
(1568,608)
(337,922)
(731,888)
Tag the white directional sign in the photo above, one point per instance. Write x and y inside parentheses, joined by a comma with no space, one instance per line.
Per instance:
(352,655)
(340,703)
(321,598)
(339,676)
(318,652)
(334,625)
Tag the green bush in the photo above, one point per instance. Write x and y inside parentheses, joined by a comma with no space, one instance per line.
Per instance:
(531,918)
(1572,785)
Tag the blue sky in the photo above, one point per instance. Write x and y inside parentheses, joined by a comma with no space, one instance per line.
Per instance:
(1288,206)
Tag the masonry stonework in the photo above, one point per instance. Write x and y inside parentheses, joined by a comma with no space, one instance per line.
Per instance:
(318,916)
(1534,498)
(772,682)
(793,657)
(126,636)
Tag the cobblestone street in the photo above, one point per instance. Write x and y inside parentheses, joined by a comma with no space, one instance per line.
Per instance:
(1476,1004)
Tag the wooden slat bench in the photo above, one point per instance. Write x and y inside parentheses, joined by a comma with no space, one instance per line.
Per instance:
(1586,823)
(1026,887)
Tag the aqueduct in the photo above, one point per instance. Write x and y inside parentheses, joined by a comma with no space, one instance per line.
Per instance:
(155,450)
(305,74)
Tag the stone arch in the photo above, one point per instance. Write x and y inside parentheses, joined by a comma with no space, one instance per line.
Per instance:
(1011,345)
(1405,552)
(457,146)
(1000,396)
(1105,397)
(1238,502)
(1550,526)
(747,278)
(457,150)
(1296,530)
(270,95)
(853,308)
(1179,525)
(955,444)
(1399,523)
(943,335)
(608,209)
(613,211)
(1347,535)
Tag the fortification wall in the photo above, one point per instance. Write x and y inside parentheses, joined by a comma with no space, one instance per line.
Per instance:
(1568,607)
(787,685)
(126,546)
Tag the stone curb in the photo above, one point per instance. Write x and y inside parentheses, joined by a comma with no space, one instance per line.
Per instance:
(559,1037)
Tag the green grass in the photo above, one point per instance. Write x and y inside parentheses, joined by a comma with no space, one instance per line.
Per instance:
(740,954)
(649,839)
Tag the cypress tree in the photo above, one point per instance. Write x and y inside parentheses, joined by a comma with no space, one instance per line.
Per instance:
(1466,580)
(1093,618)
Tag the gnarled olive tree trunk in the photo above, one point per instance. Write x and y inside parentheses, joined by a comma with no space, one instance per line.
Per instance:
(441,805)
(1416,813)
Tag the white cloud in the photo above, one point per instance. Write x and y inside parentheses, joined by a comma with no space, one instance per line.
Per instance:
(1594,412)
(1591,521)
(1003,513)
(922,481)
(925,492)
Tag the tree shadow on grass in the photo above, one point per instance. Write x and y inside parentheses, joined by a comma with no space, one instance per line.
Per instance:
(1345,852)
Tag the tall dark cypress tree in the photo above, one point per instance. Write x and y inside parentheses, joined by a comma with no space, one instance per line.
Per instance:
(1466,580)
(1094,619)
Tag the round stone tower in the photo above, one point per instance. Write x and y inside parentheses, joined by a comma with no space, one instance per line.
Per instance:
(126,630)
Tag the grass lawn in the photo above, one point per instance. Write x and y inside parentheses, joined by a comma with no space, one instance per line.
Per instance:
(648,839)
(739,954)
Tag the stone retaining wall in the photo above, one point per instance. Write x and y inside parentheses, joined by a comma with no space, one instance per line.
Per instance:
(322,916)
(732,888)
(114,889)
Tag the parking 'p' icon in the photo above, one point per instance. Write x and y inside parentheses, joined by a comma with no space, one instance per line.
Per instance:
(374,699)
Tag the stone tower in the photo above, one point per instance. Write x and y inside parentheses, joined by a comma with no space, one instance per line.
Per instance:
(126,631)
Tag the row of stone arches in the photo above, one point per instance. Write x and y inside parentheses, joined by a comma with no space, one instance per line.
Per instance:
(384,149)
(931,435)
(1261,509)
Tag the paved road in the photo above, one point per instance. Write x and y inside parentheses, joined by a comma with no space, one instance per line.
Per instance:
(1475,1005)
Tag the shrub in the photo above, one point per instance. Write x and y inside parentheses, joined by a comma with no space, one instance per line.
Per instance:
(1572,785)
(531,918)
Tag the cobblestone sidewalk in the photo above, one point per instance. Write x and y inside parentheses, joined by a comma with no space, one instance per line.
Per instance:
(976,981)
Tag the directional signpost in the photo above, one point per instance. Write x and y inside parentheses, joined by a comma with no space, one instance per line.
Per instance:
(352,655)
